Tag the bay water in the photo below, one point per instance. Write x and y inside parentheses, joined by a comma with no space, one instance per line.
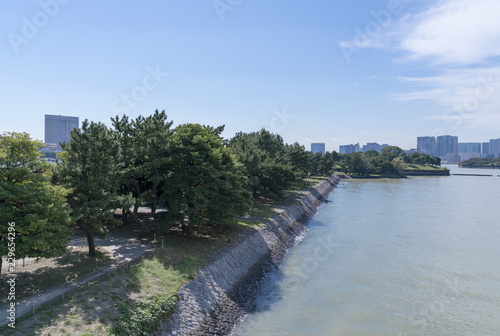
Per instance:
(415,256)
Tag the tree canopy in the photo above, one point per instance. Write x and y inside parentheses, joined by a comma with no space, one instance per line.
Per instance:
(268,165)
(145,146)
(28,199)
(206,183)
(90,168)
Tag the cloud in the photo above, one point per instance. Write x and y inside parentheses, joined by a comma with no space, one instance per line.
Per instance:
(450,32)
(456,32)
(468,97)
(457,46)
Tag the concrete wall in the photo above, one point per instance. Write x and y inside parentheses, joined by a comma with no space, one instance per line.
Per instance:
(224,291)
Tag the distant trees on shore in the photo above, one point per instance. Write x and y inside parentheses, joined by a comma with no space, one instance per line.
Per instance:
(390,162)
(481,162)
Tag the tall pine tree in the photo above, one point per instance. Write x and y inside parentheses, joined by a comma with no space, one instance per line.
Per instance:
(145,155)
(90,168)
(206,183)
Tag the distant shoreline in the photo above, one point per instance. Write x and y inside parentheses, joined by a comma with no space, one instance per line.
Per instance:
(481,167)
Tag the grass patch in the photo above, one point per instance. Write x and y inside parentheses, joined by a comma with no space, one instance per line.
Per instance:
(423,167)
(48,273)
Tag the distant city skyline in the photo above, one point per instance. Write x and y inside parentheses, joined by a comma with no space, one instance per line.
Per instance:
(446,147)
(347,147)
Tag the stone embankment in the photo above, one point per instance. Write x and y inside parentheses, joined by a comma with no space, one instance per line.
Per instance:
(225,290)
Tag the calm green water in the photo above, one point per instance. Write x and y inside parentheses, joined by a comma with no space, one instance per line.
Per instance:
(417,256)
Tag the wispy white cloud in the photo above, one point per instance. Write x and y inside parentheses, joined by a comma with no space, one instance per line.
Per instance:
(457,44)
(451,32)
(462,36)
(468,97)
(459,32)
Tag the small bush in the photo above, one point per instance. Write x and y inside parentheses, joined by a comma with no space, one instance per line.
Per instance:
(146,316)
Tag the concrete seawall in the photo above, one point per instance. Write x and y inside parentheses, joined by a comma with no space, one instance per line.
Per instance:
(224,291)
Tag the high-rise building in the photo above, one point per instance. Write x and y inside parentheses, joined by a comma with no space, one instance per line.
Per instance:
(346,149)
(58,128)
(373,146)
(427,145)
(486,148)
(473,147)
(318,147)
(446,144)
(495,147)
(469,147)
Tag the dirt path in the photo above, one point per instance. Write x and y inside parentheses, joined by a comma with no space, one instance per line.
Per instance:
(123,247)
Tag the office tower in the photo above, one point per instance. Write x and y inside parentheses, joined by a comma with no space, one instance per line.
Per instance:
(346,149)
(469,147)
(427,145)
(372,146)
(446,144)
(318,147)
(58,128)
(486,148)
(473,147)
(495,147)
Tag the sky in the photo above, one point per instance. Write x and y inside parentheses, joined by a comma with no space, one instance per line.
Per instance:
(337,72)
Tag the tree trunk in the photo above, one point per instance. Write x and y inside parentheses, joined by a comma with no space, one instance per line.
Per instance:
(1,264)
(125,215)
(90,239)
(155,201)
(137,220)
(187,229)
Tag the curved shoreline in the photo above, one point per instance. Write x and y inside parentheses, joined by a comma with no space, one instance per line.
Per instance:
(224,291)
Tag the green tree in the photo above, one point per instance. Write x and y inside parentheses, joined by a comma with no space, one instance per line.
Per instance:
(392,152)
(355,163)
(267,165)
(206,183)
(300,159)
(28,199)
(90,167)
(435,160)
(326,165)
(145,155)
(335,156)
(315,163)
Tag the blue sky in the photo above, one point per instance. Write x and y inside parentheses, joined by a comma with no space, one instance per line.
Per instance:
(338,72)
